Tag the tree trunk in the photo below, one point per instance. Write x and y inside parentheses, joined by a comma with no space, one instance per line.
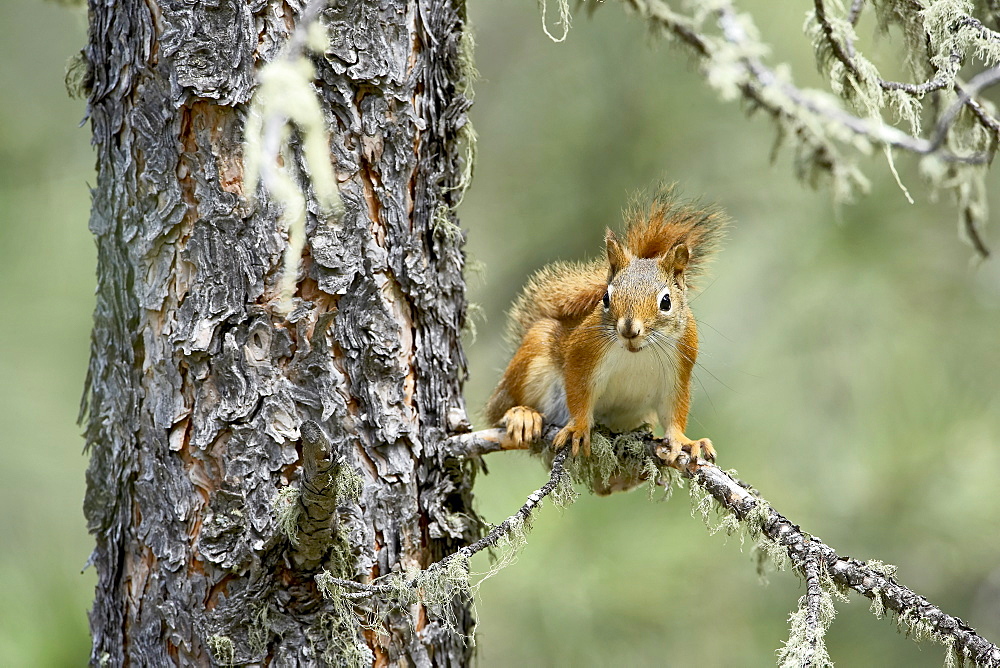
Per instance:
(197,388)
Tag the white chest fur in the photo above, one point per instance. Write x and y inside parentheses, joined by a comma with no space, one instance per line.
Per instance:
(631,389)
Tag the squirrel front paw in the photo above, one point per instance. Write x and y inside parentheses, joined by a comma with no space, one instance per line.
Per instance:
(700,448)
(575,435)
(524,426)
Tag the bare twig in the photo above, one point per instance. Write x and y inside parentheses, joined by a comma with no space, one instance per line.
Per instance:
(477,443)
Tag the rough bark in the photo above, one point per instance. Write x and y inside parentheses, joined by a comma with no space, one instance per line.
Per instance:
(197,390)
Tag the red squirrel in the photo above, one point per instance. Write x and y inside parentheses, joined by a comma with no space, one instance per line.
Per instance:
(612,341)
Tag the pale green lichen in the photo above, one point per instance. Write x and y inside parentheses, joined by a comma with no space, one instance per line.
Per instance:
(616,462)
(222,648)
(952,659)
(702,503)
(348,485)
(563,20)
(474,267)
(285,505)
(473,311)
(343,644)
(715,517)
(564,494)
(805,646)
(769,553)
(77,72)
(443,226)
(877,606)
(285,99)
(882,568)
(506,551)
(341,627)
(259,631)
(659,480)
(442,587)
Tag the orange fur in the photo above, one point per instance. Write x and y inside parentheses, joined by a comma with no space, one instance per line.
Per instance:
(626,364)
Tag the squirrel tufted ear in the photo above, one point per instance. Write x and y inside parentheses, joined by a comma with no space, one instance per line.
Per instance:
(618,256)
(676,260)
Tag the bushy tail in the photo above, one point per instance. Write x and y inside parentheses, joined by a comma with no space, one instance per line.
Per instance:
(654,225)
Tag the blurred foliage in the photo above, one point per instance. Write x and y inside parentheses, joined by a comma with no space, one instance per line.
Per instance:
(47,264)
(849,364)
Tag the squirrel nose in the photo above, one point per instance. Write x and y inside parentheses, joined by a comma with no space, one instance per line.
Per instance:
(629,328)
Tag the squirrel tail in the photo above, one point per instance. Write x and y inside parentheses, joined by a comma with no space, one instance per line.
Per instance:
(559,290)
(655,224)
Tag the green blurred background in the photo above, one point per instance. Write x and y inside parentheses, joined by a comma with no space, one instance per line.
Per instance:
(849,365)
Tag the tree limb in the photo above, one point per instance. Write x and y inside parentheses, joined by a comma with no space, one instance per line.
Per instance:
(809,555)
(480,443)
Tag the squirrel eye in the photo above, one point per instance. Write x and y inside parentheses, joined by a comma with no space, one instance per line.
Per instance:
(665,302)
(607,299)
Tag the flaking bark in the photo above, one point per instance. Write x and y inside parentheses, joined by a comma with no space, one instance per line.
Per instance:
(197,390)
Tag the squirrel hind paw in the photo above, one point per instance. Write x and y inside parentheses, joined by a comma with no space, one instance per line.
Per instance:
(702,448)
(706,448)
(575,437)
(524,426)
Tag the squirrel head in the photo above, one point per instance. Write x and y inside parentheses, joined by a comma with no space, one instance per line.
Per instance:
(646,298)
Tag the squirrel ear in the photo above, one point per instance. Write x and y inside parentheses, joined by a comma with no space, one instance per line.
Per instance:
(618,256)
(676,260)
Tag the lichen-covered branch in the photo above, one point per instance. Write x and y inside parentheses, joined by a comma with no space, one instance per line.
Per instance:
(866,578)
(865,110)
(813,559)
(512,524)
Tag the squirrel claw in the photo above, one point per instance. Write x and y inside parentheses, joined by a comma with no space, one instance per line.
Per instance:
(701,448)
(576,437)
(524,426)
(707,450)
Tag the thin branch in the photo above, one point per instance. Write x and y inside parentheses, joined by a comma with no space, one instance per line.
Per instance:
(809,555)
(879,133)
(857,575)
(845,54)
(972,230)
(984,33)
(761,82)
(976,84)
(989,122)
(814,602)
(472,447)
(839,50)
